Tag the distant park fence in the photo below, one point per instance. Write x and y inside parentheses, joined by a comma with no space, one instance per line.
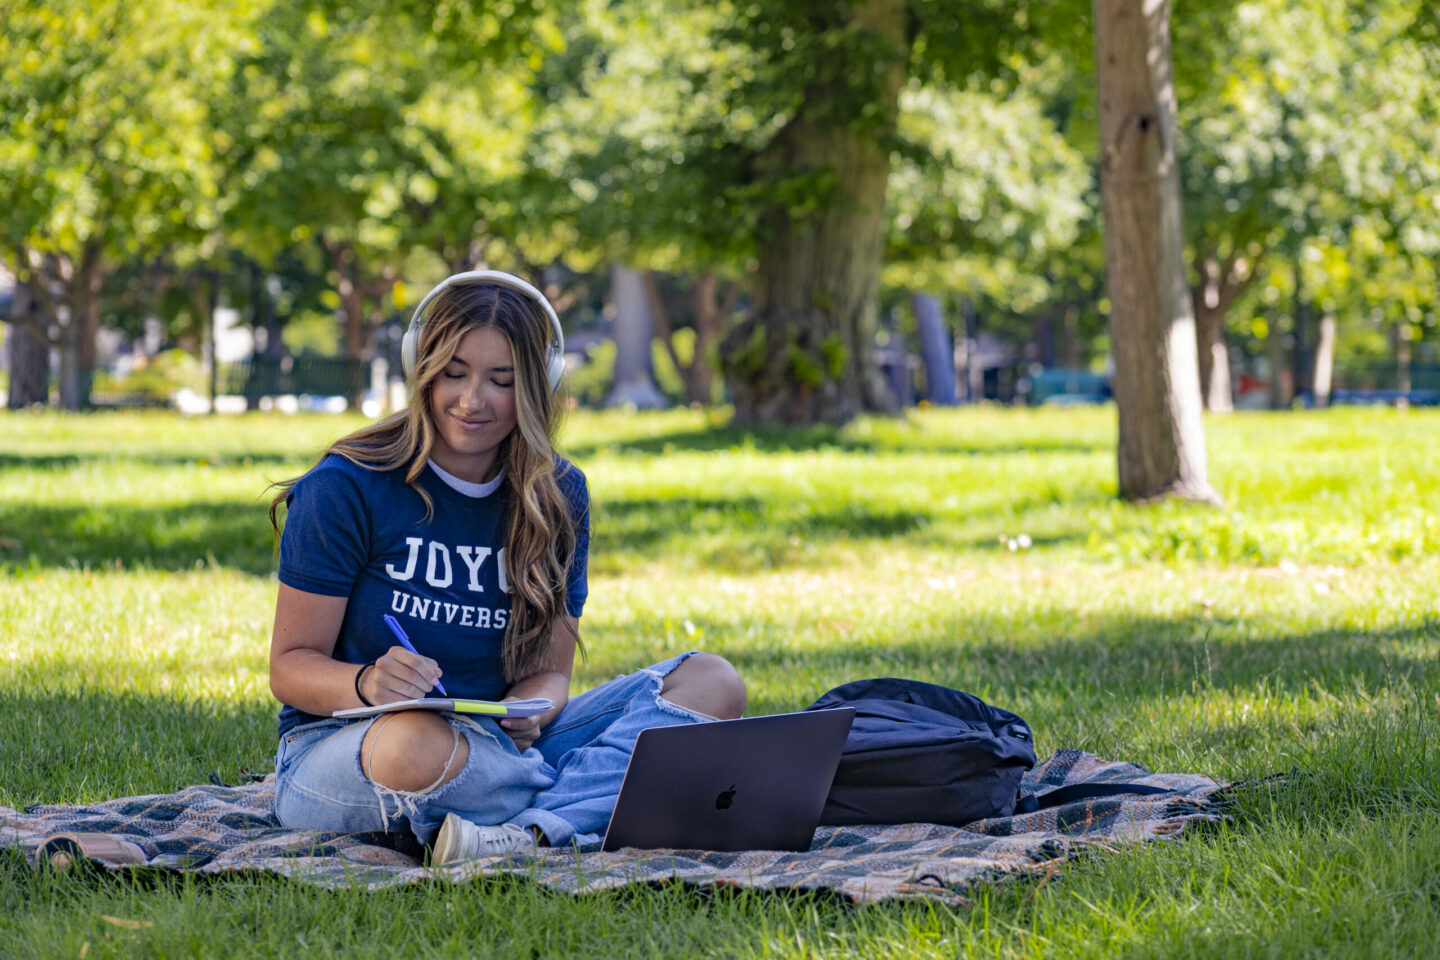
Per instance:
(1388,382)
(252,382)
(255,383)
(293,376)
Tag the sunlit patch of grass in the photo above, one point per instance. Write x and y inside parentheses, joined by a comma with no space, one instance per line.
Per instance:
(1294,632)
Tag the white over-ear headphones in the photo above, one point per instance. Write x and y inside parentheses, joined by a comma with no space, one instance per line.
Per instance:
(410,345)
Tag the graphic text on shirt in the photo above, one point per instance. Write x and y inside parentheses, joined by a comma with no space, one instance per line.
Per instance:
(440,572)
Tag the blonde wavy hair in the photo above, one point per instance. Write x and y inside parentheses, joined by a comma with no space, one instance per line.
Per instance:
(540,532)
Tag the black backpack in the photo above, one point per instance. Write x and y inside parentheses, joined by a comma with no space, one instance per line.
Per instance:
(922,753)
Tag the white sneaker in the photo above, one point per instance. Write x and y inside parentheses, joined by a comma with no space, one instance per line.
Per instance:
(459,839)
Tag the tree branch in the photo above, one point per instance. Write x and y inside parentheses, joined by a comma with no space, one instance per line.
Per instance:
(1232,288)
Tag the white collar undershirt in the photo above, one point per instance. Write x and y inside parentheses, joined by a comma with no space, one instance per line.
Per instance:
(465,486)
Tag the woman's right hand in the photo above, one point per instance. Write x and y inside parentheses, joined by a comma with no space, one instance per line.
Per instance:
(305,675)
(399,675)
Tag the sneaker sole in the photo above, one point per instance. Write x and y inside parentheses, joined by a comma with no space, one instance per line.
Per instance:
(447,841)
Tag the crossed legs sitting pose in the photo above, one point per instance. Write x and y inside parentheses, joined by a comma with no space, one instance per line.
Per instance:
(457,519)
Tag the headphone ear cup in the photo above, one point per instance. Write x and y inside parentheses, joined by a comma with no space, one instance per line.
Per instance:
(409,347)
(555,370)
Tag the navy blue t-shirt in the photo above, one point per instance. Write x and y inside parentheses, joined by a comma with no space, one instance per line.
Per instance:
(360,533)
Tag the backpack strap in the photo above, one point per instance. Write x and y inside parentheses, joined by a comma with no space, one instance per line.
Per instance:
(1060,796)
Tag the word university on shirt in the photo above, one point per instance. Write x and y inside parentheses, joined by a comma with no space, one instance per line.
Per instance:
(440,574)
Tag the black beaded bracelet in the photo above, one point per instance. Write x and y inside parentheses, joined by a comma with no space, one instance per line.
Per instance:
(358,674)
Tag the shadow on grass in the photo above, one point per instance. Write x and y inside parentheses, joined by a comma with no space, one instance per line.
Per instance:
(740,534)
(1118,661)
(748,532)
(792,439)
(640,525)
(180,537)
(1175,694)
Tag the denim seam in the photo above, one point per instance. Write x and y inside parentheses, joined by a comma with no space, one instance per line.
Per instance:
(555,730)
(301,788)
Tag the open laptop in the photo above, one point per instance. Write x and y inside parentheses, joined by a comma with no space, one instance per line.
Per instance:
(757,783)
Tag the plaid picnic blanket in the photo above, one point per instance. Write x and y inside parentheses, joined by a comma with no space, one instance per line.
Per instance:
(233,829)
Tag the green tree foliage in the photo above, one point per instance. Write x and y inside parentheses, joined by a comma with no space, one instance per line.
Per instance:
(359,133)
(639,154)
(345,134)
(757,157)
(106,149)
(1309,133)
(638,159)
(984,195)
(675,135)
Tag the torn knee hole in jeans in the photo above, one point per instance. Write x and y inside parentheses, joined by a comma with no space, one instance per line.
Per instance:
(670,706)
(406,801)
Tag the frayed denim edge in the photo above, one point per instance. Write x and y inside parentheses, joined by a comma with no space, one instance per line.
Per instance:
(667,706)
(407,801)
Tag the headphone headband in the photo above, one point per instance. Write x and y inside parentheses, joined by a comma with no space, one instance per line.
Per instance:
(410,345)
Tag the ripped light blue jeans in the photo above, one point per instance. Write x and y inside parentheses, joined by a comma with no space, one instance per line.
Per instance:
(565,784)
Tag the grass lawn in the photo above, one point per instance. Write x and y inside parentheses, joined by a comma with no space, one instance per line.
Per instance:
(1294,630)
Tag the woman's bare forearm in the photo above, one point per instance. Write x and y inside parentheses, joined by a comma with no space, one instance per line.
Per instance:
(313,682)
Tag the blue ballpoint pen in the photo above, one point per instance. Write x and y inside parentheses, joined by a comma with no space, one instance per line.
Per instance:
(396,629)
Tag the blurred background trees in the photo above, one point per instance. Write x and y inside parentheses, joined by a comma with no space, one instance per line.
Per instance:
(816,208)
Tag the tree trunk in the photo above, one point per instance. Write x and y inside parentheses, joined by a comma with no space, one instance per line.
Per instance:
(70,390)
(1402,360)
(633,332)
(1219,393)
(79,320)
(937,350)
(1214,360)
(352,320)
(1211,304)
(709,316)
(87,309)
(1152,326)
(1279,395)
(804,354)
(29,352)
(974,373)
(264,378)
(711,312)
(1299,336)
(1221,284)
(203,300)
(1322,377)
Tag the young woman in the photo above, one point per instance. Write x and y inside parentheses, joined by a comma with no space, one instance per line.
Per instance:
(457,518)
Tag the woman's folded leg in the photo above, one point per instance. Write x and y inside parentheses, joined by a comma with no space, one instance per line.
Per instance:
(406,769)
(590,742)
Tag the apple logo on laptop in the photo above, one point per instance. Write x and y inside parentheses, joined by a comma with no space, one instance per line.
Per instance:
(726,798)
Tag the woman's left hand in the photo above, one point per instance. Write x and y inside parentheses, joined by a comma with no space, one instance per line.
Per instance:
(523,730)
(551,684)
